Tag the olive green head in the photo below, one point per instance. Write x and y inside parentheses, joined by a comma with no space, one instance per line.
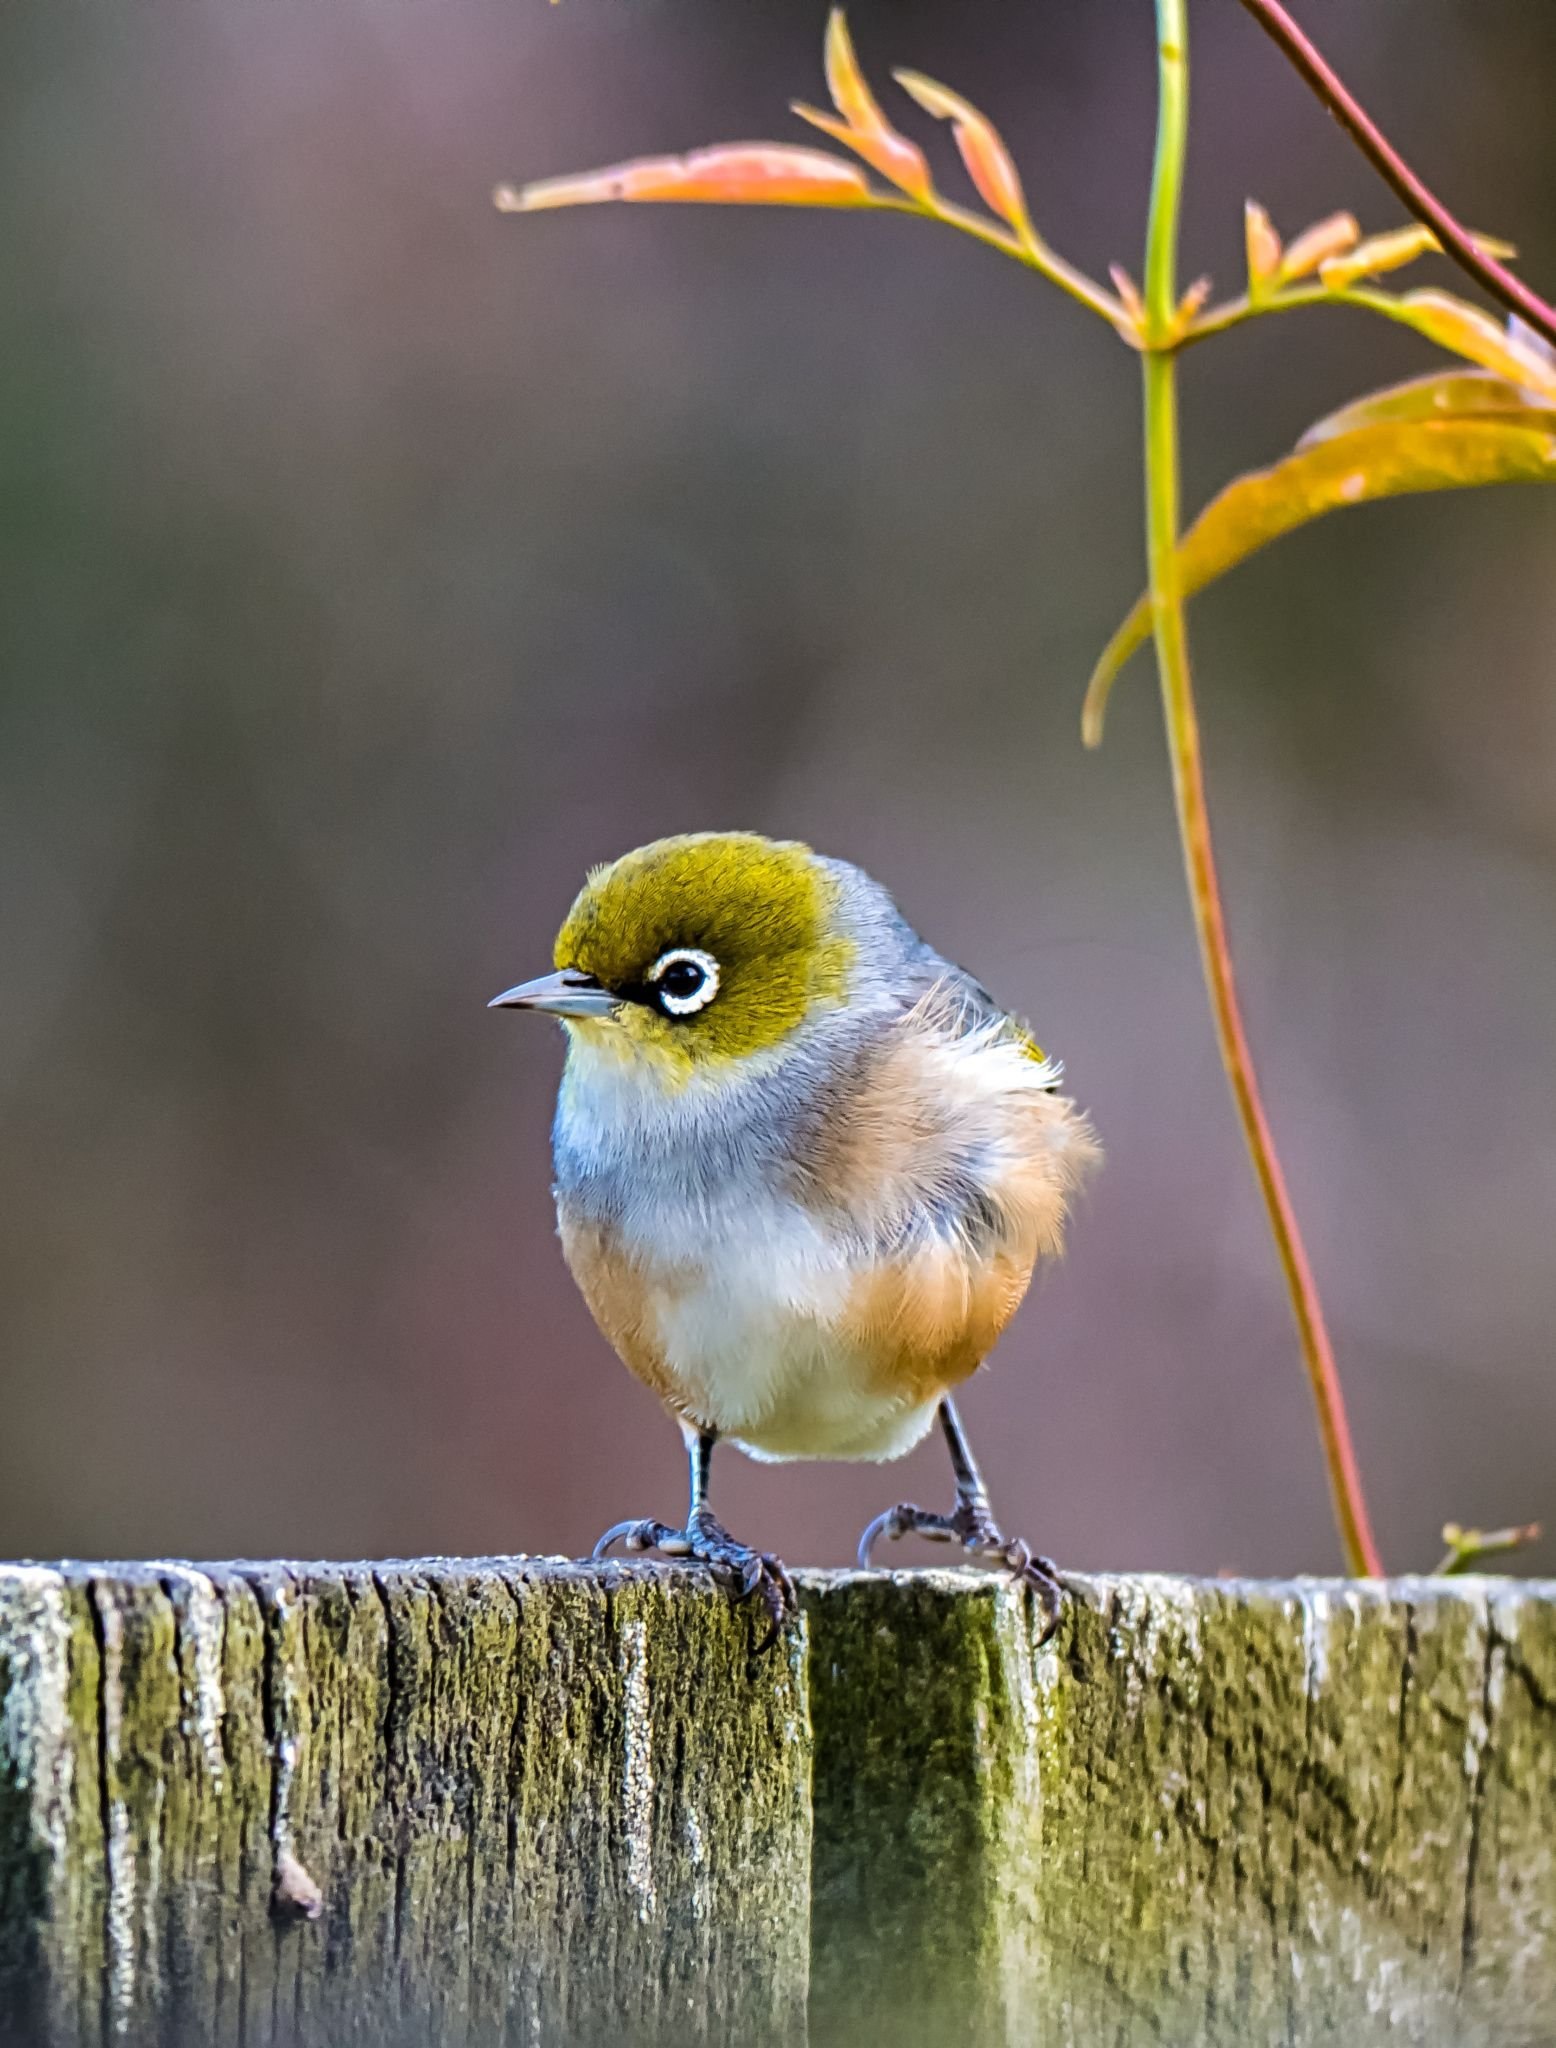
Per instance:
(698,951)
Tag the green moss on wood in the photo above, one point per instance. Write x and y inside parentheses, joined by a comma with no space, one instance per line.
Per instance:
(1206,1813)
(538,1804)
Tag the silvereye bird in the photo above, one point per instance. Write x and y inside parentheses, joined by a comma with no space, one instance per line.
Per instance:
(805,1167)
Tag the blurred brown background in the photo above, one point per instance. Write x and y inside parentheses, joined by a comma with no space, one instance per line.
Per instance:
(372,564)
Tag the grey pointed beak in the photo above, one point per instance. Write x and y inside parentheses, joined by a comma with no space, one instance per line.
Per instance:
(560,995)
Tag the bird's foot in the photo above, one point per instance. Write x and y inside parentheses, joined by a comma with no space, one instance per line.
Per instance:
(972,1525)
(706,1541)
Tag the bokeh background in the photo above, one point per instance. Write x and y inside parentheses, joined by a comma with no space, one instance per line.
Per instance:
(372,564)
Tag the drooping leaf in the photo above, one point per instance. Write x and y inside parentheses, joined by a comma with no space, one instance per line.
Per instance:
(1264,249)
(1380,253)
(862,126)
(1455,324)
(1325,238)
(735,173)
(988,161)
(1387,460)
(1445,394)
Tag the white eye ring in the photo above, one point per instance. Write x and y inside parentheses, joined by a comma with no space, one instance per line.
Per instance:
(700,997)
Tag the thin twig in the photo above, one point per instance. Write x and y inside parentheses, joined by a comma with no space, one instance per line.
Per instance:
(1034,254)
(1457,241)
(1233,312)
(1467,1547)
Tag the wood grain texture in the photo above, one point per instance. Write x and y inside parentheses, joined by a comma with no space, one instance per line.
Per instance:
(518,1801)
(528,1803)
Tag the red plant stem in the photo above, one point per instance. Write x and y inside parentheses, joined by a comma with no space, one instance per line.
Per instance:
(1163,496)
(1457,242)
(1350,1504)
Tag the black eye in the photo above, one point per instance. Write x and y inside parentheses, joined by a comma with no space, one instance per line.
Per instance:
(681,979)
(684,980)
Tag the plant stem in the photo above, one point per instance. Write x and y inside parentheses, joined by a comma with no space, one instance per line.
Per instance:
(1035,254)
(1467,1547)
(1162,515)
(1233,312)
(1386,160)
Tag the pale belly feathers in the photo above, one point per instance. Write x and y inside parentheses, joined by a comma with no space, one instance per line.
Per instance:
(740,1328)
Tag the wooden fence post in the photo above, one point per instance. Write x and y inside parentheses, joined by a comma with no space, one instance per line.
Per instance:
(517,1801)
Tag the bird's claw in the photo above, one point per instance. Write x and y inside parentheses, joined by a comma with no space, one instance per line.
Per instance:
(973,1526)
(643,1534)
(705,1541)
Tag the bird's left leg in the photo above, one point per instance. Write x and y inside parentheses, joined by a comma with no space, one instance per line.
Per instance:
(971,1523)
(705,1540)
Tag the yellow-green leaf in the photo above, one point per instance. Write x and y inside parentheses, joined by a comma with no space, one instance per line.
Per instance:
(1392,252)
(1315,245)
(1377,254)
(1383,461)
(1455,324)
(1263,247)
(1445,394)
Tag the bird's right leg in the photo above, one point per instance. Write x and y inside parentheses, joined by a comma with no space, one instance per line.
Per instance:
(971,1523)
(705,1540)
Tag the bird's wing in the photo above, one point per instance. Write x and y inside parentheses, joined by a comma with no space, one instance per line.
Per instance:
(952,1133)
(937,975)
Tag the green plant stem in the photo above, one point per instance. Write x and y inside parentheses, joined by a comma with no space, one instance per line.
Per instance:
(1233,312)
(1162,515)
(1468,1548)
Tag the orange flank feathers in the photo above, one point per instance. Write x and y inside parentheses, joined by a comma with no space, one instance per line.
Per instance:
(623,1297)
(923,1323)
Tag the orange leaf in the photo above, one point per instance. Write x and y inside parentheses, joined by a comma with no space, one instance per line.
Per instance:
(736,173)
(893,156)
(1315,245)
(1446,394)
(863,126)
(988,161)
(1263,246)
(1392,459)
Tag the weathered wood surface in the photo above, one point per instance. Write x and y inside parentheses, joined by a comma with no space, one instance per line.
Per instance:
(519,1801)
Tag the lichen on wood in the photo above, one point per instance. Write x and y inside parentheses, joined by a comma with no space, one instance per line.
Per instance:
(511,1801)
(461,1802)
(1281,1814)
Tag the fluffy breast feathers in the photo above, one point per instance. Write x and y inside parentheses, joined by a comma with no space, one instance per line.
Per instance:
(819,1299)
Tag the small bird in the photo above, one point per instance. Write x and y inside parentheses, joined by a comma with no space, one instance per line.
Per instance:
(805,1167)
